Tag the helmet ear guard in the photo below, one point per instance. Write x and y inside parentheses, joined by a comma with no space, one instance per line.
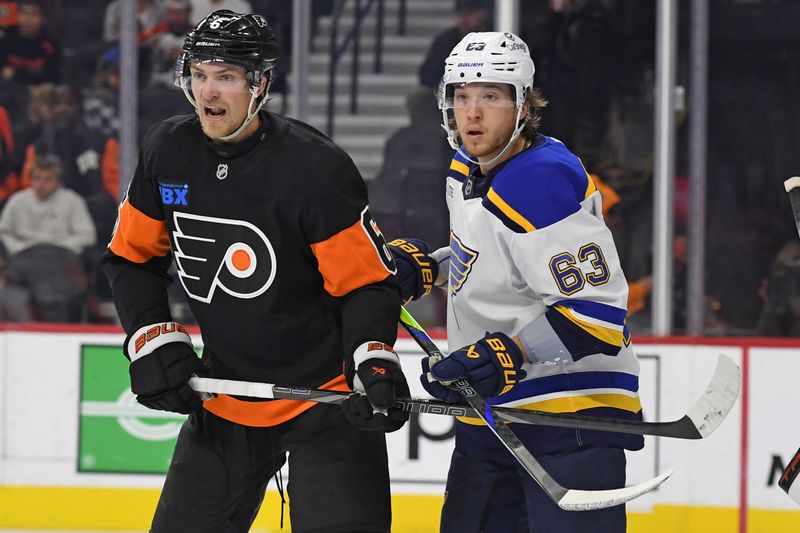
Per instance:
(489,57)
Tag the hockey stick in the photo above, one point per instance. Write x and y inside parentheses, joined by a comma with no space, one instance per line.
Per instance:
(702,419)
(789,477)
(792,186)
(567,499)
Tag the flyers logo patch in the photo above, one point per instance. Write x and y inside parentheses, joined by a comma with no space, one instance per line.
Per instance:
(232,255)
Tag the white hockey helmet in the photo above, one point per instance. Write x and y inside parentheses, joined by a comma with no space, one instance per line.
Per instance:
(498,57)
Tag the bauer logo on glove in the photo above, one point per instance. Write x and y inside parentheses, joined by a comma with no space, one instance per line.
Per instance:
(492,365)
(416,270)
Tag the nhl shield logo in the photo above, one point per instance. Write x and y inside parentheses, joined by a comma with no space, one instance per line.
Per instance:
(222,171)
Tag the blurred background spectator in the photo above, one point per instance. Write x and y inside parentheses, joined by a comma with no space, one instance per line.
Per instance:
(28,55)
(165,41)
(148,15)
(407,195)
(15,301)
(780,294)
(9,181)
(101,98)
(471,15)
(201,8)
(89,158)
(9,16)
(44,230)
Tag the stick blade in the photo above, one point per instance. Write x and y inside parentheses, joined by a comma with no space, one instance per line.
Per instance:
(718,399)
(788,481)
(791,183)
(792,186)
(590,500)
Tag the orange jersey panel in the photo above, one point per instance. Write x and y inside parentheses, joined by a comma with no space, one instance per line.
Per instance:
(265,414)
(349,260)
(138,237)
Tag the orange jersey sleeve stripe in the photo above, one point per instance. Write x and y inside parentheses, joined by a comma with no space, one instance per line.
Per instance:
(348,260)
(138,237)
(269,413)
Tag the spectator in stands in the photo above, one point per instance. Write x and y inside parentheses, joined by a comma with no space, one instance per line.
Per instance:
(27,54)
(165,41)
(780,293)
(15,301)
(9,181)
(37,103)
(201,8)
(407,196)
(471,15)
(9,16)
(46,213)
(101,100)
(90,164)
(148,15)
(44,230)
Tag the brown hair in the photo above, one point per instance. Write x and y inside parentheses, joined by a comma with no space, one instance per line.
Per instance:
(536,102)
(47,162)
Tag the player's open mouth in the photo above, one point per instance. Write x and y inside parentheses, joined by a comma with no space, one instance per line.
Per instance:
(214,113)
(474,133)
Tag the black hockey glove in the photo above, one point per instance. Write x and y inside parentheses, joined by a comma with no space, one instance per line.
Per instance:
(416,270)
(378,381)
(162,361)
(493,365)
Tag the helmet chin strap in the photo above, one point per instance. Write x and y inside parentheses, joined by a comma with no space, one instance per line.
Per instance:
(251,113)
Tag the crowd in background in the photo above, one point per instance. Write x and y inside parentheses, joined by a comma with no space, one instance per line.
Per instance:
(595,62)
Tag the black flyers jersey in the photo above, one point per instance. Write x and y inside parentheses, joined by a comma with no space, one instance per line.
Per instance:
(274,244)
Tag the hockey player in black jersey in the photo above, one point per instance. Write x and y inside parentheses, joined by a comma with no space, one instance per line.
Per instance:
(290,281)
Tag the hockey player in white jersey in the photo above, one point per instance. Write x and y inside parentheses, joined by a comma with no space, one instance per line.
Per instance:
(536,297)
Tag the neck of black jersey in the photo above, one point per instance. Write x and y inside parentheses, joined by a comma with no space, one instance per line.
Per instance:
(231,150)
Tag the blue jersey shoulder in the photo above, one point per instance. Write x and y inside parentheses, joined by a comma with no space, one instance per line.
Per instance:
(539,187)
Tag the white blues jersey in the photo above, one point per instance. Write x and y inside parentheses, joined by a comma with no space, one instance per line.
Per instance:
(529,249)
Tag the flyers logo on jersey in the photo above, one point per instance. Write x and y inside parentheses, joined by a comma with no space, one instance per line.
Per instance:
(232,255)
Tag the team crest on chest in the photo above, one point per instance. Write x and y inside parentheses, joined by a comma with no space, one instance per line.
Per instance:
(222,171)
(461,261)
(232,255)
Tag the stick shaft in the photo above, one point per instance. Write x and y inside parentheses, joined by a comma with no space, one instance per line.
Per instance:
(703,418)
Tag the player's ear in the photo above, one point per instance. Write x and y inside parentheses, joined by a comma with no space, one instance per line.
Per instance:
(264,81)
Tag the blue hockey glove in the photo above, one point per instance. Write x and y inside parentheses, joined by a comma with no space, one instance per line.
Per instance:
(493,365)
(415,268)
(162,361)
(377,382)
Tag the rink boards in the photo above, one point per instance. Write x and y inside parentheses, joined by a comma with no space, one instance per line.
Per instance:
(77,452)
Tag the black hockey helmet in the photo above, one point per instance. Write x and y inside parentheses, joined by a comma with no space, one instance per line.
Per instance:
(245,40)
